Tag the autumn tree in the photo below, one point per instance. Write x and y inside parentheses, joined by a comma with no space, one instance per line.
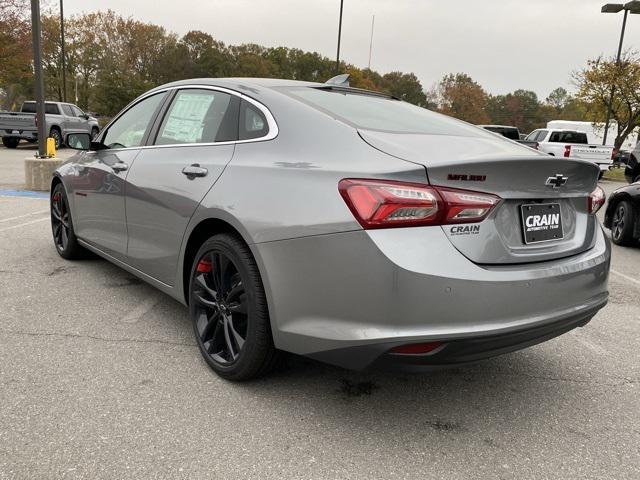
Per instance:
(458,95)
(596,83)
(15,51)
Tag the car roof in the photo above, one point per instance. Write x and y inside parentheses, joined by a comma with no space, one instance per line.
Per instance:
(499,126)
(254,84)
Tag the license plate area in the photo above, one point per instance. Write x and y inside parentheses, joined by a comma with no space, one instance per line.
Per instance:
(541,222)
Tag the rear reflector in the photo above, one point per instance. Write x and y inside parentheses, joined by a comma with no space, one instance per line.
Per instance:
(416,348)
(567,151)
(596,200)
(386,204)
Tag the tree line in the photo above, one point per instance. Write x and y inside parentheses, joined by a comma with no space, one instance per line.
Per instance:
(112,59)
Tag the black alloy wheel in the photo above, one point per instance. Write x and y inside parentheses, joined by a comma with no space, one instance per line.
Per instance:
(228,310)
(221,307)
(622,224)
(64,237)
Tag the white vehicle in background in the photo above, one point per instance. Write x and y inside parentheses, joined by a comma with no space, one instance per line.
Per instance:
(595,132)
(572,144)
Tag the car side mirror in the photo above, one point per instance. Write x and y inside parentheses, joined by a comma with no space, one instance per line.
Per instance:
(82,141)
(85,116)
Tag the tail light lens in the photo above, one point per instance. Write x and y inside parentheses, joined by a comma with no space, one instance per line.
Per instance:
(567,151)
(614,152)
(387,204)
(596,200)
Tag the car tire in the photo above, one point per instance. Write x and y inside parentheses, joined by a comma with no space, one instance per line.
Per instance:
(228,309)
(600,175)
(57,136)
(10,142)
(623,224)
(64,237)
(637,179)
(94,132)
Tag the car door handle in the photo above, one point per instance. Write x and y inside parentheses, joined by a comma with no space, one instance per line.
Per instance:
(119,167)
(195,170)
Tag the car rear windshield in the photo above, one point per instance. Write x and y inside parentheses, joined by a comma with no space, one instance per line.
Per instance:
(569,137)
(30,107)
(379,112)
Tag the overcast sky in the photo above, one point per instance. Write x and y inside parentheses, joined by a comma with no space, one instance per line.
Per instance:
(502,44)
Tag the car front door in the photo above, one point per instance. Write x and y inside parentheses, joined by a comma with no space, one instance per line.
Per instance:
(69,123)
(81,124)
(99,181)
(190,148)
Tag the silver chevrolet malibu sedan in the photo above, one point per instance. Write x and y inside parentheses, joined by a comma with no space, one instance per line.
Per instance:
(337,223)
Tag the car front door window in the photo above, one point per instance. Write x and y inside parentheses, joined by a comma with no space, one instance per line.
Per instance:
(130,128)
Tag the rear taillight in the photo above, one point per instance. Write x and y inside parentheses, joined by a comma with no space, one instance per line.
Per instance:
(614,152)
(596,200)
(386,204)
(567,151)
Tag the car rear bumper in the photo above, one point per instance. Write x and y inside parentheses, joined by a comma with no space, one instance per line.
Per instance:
(24,134)
(349,298)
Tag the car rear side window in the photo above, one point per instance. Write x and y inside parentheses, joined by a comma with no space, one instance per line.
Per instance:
(253,123)
(129,129)
(379,112)
(50,108)
(199,116)
(569,137)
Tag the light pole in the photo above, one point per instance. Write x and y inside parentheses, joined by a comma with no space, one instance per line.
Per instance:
(78,77)
(37,70)
(634,8)
(339,35)
(64,60)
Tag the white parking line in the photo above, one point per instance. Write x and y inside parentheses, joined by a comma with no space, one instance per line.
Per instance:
(626,277)
(23,224)
(22,216)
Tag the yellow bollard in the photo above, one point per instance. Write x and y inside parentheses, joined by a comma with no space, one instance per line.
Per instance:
(51,148)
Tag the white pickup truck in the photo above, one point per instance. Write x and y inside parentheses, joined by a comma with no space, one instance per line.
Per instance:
(572,144)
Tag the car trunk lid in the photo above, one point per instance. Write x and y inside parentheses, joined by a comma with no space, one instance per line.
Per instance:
(530,184)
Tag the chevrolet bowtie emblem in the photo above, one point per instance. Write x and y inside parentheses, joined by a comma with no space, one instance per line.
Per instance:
(557,181)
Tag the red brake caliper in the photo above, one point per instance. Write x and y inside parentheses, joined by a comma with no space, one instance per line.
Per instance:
(204,266)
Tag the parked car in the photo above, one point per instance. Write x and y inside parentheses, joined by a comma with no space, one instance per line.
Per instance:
(572,144)
(632,168)
(60,120)
(622,215)
(336,223)
(512,133)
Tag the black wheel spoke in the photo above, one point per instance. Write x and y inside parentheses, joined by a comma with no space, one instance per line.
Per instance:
(65,237)
(239,339)
(206,325)
(231,349)
(239,307)
(201,281)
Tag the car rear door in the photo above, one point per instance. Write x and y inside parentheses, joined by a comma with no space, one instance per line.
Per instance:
(190,146)
(97,186)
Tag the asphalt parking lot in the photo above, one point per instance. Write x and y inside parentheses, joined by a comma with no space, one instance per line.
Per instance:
(100,378)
